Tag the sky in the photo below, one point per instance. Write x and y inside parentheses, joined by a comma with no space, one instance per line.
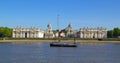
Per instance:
(80,13)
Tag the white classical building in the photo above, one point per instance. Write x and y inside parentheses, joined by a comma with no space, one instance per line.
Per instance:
(93,32)
(68,32)
(19,32)
(49,32)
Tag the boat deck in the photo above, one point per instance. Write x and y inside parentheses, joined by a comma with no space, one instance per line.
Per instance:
(62,44)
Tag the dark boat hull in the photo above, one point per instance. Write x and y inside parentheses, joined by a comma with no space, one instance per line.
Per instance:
(62,45)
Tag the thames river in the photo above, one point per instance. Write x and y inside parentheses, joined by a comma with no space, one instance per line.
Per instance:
(43,53)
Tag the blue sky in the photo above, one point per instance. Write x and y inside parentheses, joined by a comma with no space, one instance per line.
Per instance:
(80,13)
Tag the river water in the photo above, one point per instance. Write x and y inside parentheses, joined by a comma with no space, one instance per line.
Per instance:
(43,53)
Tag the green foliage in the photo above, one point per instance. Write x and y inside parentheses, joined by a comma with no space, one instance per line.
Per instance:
(5,32)
(110,33)
(115,33)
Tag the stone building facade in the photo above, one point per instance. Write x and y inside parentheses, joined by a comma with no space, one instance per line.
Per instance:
(68,32)
(93,32)
(49,32)
(19,32)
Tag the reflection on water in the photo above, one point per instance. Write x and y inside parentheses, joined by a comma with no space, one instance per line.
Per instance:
(25,42)
(42,53)
(92,43)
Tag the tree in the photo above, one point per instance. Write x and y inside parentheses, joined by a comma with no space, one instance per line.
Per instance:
(5,32)
(116,32)
(110,34)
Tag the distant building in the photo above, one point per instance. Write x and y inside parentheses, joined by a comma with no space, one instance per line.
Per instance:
(70,32)
(19,32)
(93,32)
(49,32)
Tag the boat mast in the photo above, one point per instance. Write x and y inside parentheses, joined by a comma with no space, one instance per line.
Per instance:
(58,22)
(58,27)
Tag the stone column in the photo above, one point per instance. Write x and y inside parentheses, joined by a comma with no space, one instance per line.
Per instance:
(21,34)
(95,34)
(34,34)
(105,34)
(28,34)
(13,35)
(16,34)
(81,34)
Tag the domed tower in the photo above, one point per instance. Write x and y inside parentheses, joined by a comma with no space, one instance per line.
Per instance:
(70,32)
(49,33)
(70,27)
(49,27)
